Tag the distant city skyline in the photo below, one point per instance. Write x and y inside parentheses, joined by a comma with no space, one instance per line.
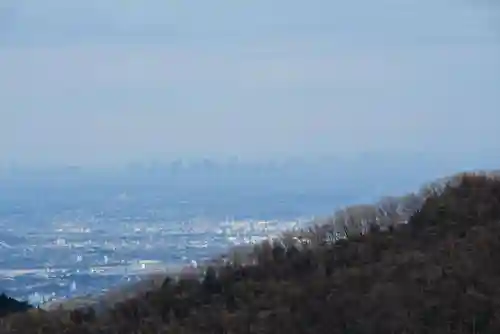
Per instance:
(92,83)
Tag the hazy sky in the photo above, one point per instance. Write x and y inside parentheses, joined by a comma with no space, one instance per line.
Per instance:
(94,81)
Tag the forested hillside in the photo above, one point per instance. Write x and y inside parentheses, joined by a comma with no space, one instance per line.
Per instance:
(434,270)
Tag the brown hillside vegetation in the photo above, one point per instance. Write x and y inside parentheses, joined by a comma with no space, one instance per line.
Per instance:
(439,273)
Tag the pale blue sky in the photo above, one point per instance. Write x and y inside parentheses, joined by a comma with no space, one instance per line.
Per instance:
(110,81)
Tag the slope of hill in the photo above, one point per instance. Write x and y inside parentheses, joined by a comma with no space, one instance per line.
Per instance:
(438,273)
(9,305)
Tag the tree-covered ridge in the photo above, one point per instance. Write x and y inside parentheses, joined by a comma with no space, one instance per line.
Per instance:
(438,273)
(9,305)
